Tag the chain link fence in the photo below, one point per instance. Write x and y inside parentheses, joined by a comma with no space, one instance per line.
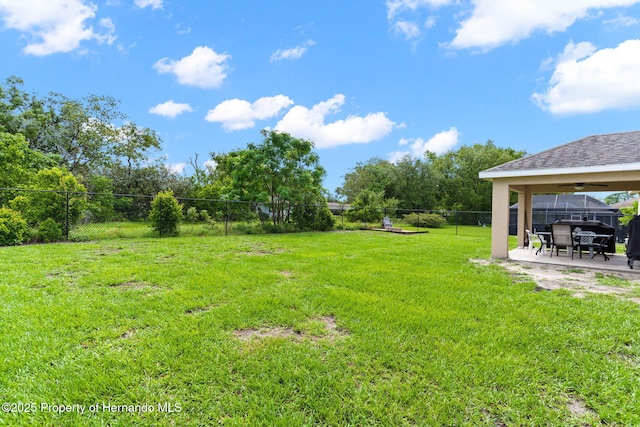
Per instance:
(73,216)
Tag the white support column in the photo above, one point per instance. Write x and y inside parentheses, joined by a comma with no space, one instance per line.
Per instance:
(525,214)
(500,220)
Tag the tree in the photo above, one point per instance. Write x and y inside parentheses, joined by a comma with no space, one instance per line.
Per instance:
(282,170)
(415,184)
(143,181)
(82,134)
(19,163)
(166,214)
(460,188)
(133,144)
(628,212)
(55,194)
(375,174)
(371,206)
(614,198)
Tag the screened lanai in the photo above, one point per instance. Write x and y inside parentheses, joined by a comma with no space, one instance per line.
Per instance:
(598,163)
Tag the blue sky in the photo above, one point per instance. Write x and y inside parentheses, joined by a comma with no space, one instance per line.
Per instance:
(360,78)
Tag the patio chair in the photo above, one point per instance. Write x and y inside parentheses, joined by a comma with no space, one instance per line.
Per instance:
(532,239)
(586,240)
(386,223)
(562,238)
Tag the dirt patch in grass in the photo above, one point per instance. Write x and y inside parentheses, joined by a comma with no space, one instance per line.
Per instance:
(260,249)
(315,329)
(134,286)
(579,281)
(200,310)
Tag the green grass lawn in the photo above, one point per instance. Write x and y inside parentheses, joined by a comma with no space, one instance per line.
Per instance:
(341,328)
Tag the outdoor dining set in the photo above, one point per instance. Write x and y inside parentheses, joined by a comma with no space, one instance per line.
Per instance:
(574,236)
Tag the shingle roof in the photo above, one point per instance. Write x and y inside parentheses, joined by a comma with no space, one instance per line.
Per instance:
(595,150)
(568,202)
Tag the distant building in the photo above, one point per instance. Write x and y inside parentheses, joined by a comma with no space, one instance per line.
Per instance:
(550,208)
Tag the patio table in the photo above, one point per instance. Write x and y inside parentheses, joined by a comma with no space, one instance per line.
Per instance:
(600,242)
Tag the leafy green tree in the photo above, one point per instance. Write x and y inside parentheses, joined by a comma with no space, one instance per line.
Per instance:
(371,206)
(19,164)
(143,181)
(133,145)
(82,134)
(282,171)
(166,214)
(627,213)
(55,192)
(614,198)
(460,188)
(375,174)
(415,184)
(101,202)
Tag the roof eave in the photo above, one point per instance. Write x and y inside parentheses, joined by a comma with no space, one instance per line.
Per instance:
(489,174)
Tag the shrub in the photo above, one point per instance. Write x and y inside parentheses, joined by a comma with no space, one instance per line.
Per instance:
(13,228)
(62,189)
(49,231)
(425,220)
(371,206)
(312,217)
(166,214)
(204,214)
(192,214)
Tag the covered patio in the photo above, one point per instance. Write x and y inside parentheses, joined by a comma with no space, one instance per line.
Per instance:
(609,163)
(617,262)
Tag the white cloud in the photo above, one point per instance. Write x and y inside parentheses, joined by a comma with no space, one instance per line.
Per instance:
(54,25)
(210,165)
(621,21)
(587,80)
(440,143)
(395,7)
(293,53)
(496,22)
(154,4)
(238,114)
(310,124)
(176,168)
(171,109)
(410,30)
(204,68)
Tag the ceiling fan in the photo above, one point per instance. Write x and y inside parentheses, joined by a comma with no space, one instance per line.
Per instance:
(579,186)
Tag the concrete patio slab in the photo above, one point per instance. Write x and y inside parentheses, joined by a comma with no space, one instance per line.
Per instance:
(616,263)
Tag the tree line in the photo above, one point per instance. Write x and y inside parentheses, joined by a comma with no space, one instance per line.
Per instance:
(74,147)
(447,181)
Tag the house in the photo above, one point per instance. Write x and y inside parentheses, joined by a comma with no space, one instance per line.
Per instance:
(549,208)
(608,162)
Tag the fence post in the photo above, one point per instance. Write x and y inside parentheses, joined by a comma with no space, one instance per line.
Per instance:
(66,222)
(455,218)
(226,218)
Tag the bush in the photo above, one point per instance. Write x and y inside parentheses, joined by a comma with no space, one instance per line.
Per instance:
(192,215)
(425,220)
(312,217)
(13,228)
(49,231)
(166,214)
(61,188)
